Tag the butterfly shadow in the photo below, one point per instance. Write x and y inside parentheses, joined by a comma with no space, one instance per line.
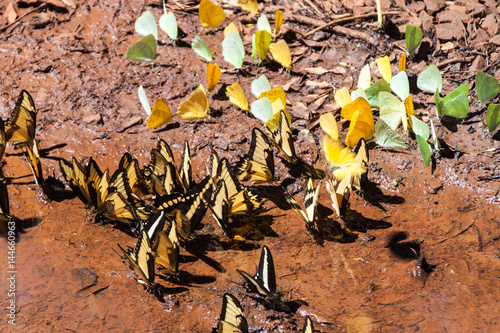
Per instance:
(253,227)
(168,127)
(164,291)
(187,279)
(376,197)
(330,229)
(199,247)
(55,190)
(20,226)
(355,221)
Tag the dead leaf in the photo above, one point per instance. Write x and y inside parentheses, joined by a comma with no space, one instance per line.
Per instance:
(69,5)
(10,13)
(132,121)
(321,70)
(287,85)
(301,110)
(316,84)
(299,51)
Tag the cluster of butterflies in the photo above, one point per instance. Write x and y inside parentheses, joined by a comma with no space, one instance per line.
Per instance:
(20,129)
(164,206)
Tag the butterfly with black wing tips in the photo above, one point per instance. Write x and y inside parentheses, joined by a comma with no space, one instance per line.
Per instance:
(258,164)
(264,281)
(33,156)
(311,196)
(282,138)
(141,261)
(165,244)
(232,317)
(20,126)
(185,171)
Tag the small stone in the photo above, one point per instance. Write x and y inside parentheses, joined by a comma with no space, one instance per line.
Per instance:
(450,14)
(480,36)
(132,121)
(490,24)
(495,40)
(448,31)
(495,56)
(97,307)
(435,185)
(478,64)
(93,118)
(434,6)
(427,21)
(447,46)
(416,6)
(83,278)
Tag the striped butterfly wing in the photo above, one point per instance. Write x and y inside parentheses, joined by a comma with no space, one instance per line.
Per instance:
(20,127)
(308,326)
(339,193)
(220,205)
(283,139)
(311,196)
(232,317)
(166,248)
(362,156)
(265,272)
(185,172)
(141,261)
(33,156)
(72,181)
(4,198)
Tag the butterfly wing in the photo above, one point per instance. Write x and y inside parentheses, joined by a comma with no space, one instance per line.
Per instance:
(232,317)
(20,127)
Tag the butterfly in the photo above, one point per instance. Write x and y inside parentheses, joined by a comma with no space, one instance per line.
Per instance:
(241,198)
(164,244)
(33,157)
(258,165)
(237,96)
(232,317)
(308,326)
(195,106)
(4,202)
(136,180)
(311,196)
(340,191)
(20,126)
(281,53)
(213,76)
(362,156)
(141,261)
(78,177)
(341,158)
(211,14)
(264,280)
(233,49)
(282,138)
(221,206)
(185,172)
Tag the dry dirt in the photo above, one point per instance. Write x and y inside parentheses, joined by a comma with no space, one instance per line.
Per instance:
(363,277)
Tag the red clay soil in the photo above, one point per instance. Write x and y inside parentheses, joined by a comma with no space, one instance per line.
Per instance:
(363,277)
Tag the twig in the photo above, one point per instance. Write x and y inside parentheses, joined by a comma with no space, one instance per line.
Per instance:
(454,60)
(457,234)
(43,5)
(479,239)
(347,19)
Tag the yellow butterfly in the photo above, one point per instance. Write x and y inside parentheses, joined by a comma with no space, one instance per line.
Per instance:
(342,97)
(160,114)
(250,6)
(230,27)
(277,97)
(402,63)
(384,67)
(211,14)
(237,96)
(341,158)
(281,53)
(362,123)
(262,43)
(340,191)
(328,124)
(213,76)
(195,107)
(278,21)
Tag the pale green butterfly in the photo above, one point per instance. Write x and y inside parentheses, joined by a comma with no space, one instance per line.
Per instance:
(233,49)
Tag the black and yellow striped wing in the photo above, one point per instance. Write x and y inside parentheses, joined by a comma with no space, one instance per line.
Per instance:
(232,317)
(74,174)
(166,247)
(220,206)
(362,156)
(20,127)
(258,165)
(340,192)
(283,139)
(4,197)
(33,157)
(308,326)
(185,172)
(141,261)
(311,196)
